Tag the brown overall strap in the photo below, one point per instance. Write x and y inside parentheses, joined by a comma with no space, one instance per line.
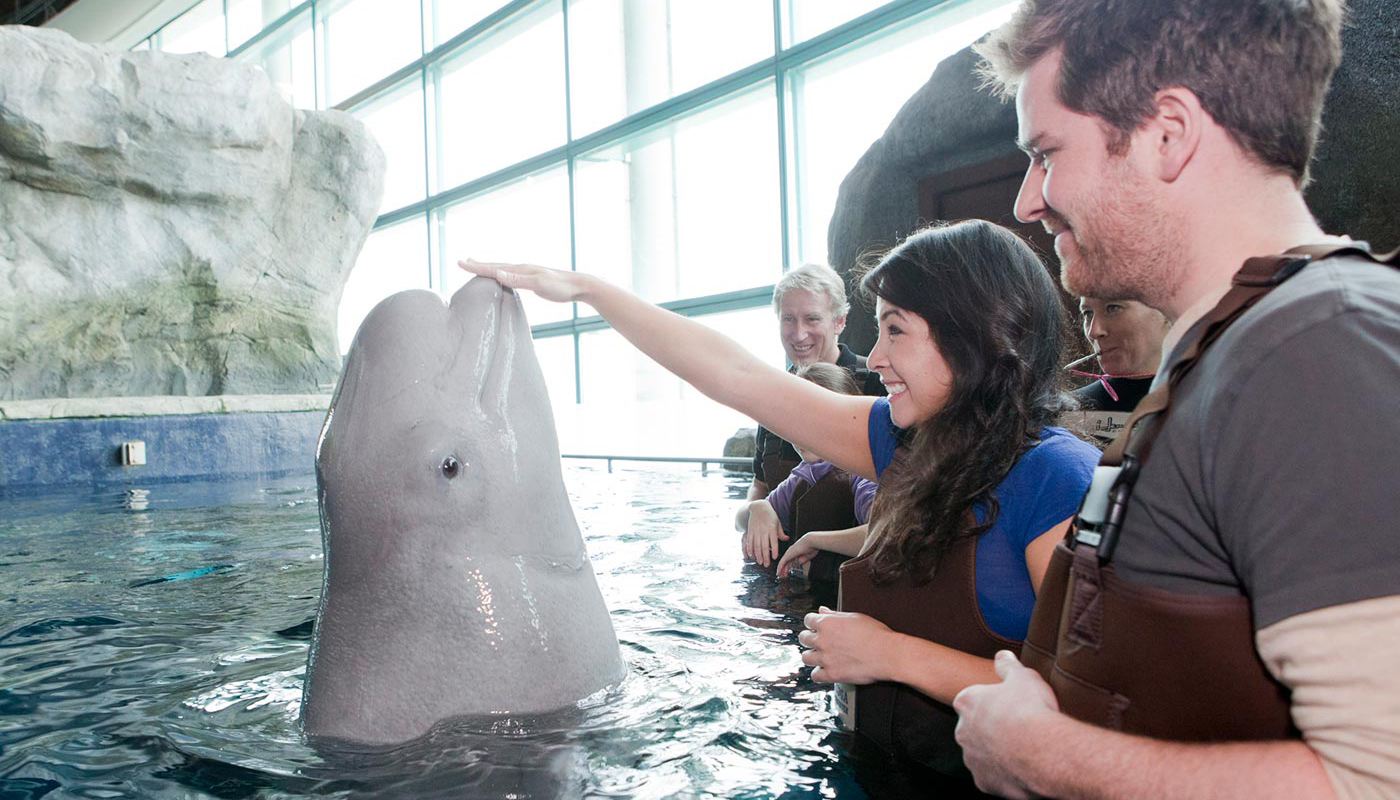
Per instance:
(1259,276)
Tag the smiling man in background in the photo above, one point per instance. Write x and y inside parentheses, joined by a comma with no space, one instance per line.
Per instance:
(1169,144)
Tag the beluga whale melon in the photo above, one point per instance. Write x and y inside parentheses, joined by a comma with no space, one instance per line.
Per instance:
(456,582)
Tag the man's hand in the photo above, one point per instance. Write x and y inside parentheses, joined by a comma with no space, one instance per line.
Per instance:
(762,534)
(990,716)
(846,647)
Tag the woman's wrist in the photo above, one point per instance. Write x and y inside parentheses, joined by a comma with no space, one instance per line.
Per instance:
(902,657)
(588,287)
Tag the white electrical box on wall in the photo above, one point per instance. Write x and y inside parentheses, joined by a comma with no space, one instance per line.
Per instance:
(133,454)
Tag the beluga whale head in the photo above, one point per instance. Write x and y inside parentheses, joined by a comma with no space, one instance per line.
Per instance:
(456,582)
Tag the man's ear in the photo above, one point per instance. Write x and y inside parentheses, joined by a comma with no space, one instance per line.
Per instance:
(1176,130)
(840,324)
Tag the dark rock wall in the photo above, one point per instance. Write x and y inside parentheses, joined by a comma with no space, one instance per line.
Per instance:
(1356,178)
(950,123)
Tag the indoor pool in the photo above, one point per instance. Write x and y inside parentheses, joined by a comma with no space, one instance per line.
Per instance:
(153,644)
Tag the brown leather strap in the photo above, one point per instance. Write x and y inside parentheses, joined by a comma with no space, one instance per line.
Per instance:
(1259,276)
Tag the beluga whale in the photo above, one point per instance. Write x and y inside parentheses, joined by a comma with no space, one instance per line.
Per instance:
(456,582)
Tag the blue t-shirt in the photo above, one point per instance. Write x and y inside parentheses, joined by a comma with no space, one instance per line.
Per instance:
(1042,490)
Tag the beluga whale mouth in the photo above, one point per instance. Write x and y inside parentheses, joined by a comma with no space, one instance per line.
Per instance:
(456,580)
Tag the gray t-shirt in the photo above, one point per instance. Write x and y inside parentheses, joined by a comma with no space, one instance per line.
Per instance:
(1278,470)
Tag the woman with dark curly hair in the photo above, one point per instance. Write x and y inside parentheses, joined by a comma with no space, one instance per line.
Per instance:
(975,486)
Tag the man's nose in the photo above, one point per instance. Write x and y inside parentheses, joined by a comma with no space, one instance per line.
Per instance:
(1030,200)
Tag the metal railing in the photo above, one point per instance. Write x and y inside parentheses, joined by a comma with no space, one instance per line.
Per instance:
(726,461)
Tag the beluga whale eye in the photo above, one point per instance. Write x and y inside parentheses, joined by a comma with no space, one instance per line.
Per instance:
(451,467)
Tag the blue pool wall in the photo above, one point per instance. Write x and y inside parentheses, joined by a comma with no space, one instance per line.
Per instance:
(87,451)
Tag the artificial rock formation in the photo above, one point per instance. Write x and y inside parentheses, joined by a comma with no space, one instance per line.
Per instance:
(951,123)
(169,225)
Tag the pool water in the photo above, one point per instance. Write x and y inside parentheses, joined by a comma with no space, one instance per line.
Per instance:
(153,644)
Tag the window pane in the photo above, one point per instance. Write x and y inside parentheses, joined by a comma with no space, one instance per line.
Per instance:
(288,56)
(199,30)
(626,55)
(843,104)
(365,41)
(450,17)
(396,120)
(688,210)
(501,100)
(632,406)
(803,19)
(526,221)
(246,18)
(394,259)
(556,355)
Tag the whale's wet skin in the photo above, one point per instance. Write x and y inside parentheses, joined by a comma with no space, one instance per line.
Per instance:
(191,687)
(457,583)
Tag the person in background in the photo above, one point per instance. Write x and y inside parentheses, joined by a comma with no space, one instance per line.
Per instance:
(1241,639)
(814,493)
(1127,340)
(976,486)
(811,305)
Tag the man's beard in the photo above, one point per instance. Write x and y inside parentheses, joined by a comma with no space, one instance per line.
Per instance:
(1124,249)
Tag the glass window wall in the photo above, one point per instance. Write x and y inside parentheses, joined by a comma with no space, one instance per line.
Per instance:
(689,209)
(246,18)
(396,121)
(556,357)
(666,145)
(525,221)
(500,100)
(804,19)
(364,41)
(394,259)
(630,405)
(288,56)
(199,30)
(627,55)
(447,18)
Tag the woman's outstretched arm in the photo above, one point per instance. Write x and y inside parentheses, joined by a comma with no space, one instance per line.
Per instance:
(832,425)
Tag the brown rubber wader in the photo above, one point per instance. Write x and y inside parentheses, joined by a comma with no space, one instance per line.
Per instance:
(1140,659)
(901,721)
(827,505)
(775,467)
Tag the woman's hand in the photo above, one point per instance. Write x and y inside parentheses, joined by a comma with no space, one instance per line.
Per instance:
(848,648)
(763,533)
(551,284)
(798,553)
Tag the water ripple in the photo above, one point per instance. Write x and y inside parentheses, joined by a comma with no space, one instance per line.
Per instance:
(161,652)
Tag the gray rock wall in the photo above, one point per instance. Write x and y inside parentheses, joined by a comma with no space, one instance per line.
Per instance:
(950,123)
(169,225)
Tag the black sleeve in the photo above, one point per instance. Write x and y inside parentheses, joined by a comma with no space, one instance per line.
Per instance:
(1092,397)
(870,383)
(760,436)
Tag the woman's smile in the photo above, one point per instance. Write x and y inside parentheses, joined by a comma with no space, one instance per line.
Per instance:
(909,364)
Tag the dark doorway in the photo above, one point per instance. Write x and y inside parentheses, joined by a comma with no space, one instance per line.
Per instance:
(988,191)
(985,191)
